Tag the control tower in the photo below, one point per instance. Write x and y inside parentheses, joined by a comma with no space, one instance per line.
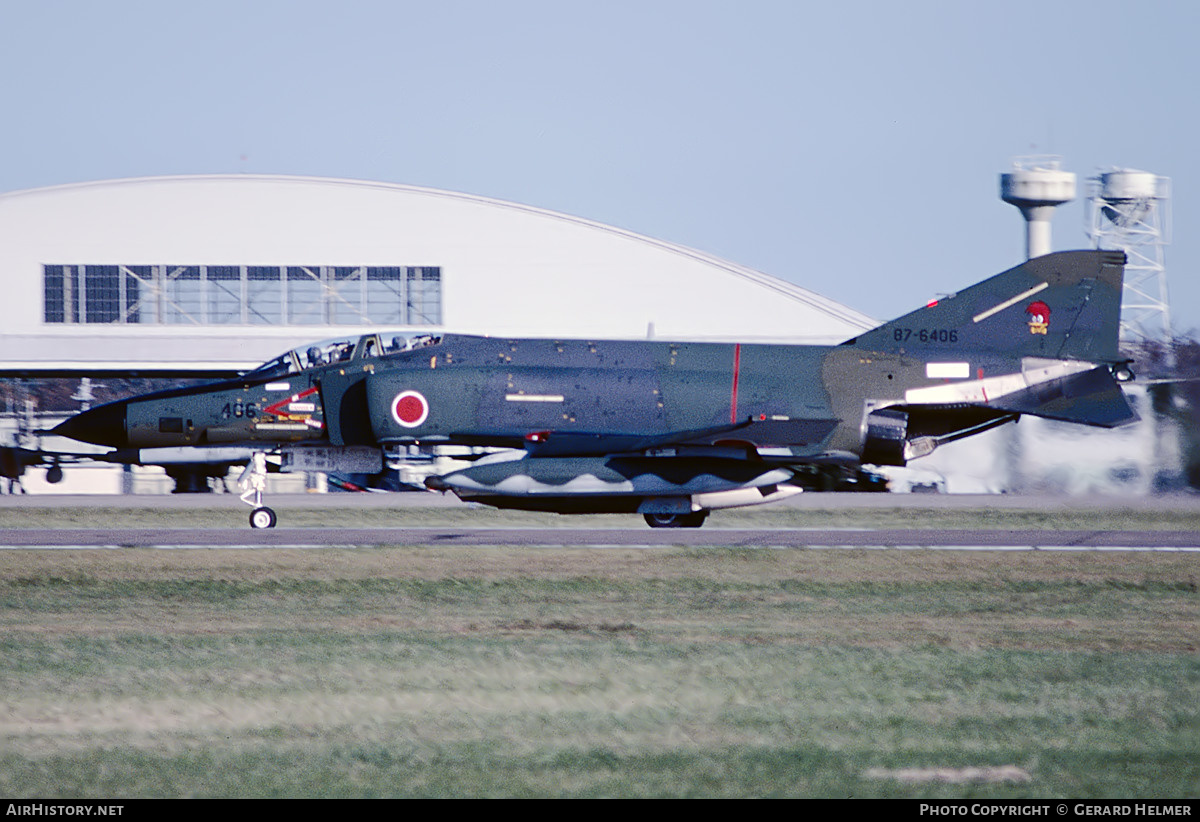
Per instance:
(1037,185)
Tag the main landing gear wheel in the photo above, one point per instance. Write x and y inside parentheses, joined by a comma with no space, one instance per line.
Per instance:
(693,520)
(262,518)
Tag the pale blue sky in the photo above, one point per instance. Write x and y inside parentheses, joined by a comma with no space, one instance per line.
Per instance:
(851,147)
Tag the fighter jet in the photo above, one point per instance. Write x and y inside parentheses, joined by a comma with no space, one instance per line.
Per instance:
(670,430)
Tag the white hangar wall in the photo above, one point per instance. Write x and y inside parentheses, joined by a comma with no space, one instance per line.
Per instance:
(499,268)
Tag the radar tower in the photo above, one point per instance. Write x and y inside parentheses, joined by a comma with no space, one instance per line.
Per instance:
(1129,211)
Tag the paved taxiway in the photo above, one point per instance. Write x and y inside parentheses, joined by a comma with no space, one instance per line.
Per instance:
(602,537)
(624,533)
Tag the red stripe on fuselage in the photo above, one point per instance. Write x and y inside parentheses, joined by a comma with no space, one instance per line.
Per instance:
(275,409)
(737,367)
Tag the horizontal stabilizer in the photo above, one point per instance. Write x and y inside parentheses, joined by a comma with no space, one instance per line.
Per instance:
(1091,397)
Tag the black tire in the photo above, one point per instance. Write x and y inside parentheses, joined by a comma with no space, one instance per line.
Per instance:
(262,518)
(692,520)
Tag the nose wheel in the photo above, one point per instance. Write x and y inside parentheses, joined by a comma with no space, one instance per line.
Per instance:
(253,481)
(262,518)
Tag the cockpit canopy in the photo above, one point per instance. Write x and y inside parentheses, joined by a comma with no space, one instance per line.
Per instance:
(339,349)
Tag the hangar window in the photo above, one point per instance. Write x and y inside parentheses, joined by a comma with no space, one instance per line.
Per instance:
(264,296)
(57,299)
(101,294)
(242,295)
(184,303)
(307,296)
(348,292)
(425,295)
(92,294)
(386,294)
(224,295)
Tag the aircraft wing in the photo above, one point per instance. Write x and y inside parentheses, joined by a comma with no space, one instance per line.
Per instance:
(746,435)
(14,460)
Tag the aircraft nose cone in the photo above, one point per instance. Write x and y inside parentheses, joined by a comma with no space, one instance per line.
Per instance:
(104,425)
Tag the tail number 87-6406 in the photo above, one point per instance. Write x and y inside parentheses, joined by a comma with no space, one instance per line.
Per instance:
(925,335)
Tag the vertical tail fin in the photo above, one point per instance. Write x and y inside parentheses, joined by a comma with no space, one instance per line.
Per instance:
(1058,306)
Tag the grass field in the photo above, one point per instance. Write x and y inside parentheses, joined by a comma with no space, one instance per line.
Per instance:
(415,671)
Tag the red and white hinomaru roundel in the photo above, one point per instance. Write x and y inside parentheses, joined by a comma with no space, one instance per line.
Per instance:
(410,408)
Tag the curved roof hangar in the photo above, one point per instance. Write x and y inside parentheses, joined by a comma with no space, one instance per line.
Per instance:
(230,269)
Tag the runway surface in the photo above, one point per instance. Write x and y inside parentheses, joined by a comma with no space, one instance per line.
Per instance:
(625,534)
(1178,502)
(993,539)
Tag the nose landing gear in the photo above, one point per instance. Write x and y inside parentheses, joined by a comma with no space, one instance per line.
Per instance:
(253,482)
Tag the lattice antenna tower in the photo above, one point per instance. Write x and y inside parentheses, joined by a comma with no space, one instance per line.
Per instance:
(1129,211)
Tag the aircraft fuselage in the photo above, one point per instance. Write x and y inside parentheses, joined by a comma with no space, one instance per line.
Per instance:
(673,429)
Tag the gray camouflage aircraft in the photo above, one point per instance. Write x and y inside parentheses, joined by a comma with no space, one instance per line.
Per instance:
(670,430)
